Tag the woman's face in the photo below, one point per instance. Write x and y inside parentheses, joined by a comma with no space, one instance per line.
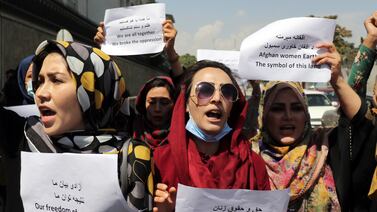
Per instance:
(158,105)
(56,97)
(210,117)
(286,118)
(28,75)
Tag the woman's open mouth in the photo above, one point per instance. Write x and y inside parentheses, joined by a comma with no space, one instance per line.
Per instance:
(214,115)
(47,116)
(287,129)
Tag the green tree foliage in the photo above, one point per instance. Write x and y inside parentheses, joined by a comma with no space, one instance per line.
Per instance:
(187,60)
(346,49)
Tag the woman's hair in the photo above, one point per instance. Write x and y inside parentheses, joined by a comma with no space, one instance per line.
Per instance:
(38,62)
(190,73)
(158,82)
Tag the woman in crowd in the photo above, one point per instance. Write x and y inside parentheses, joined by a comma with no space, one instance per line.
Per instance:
(144,127)
(311,163)
(24,72)
(294,155)
(154,105)
(365,129)
(205,147)
(78,90)
(365,58)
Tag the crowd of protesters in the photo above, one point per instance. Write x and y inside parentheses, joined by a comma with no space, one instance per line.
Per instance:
(188,127)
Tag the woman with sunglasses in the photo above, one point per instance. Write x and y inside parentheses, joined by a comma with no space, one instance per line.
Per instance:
(205,147)
(311,163)
(78,91)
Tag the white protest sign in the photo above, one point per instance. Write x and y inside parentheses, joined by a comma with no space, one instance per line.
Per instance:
(200,199)
(227,57)
(283,50)
(70,182)
(134,30)
(25,110)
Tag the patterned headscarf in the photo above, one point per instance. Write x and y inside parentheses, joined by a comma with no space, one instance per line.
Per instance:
(301,167)
(100,87)
(100,84)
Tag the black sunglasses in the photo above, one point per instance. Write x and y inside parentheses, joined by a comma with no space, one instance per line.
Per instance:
(205,90)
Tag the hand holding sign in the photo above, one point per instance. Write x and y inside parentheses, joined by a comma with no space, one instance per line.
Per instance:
(332,58)
(168,28)
(133,30)
(164,198)
(99,38)
(169,37)
(284,50)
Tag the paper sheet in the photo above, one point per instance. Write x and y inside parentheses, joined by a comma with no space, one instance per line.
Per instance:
(190,199)
(70,182)
(283,50)
(25,110)
(134,30)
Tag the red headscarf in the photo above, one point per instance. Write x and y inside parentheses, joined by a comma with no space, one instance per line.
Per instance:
(234,165)
(142,130)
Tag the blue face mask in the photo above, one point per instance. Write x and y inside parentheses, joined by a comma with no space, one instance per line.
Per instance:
(29,89)
(194,129)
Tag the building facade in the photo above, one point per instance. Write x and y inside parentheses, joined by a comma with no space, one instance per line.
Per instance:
(26,23)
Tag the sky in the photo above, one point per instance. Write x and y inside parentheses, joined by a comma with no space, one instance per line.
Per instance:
(223,24)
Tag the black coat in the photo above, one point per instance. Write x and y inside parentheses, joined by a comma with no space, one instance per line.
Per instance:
(351,157)
(11,142)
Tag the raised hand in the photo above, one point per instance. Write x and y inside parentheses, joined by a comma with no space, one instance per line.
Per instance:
(99,38)
(371,26)
(332,58)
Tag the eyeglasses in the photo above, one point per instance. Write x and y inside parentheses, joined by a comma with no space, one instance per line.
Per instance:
(205,90)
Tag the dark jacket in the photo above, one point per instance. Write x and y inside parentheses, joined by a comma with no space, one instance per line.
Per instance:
(351,157)
(11,142)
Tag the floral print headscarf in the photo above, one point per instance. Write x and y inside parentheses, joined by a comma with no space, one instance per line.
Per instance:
(301,167)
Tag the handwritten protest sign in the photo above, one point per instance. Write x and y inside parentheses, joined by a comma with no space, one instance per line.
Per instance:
(134,30)
(199,199)
(25,110)
(283,50)
(70,182)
